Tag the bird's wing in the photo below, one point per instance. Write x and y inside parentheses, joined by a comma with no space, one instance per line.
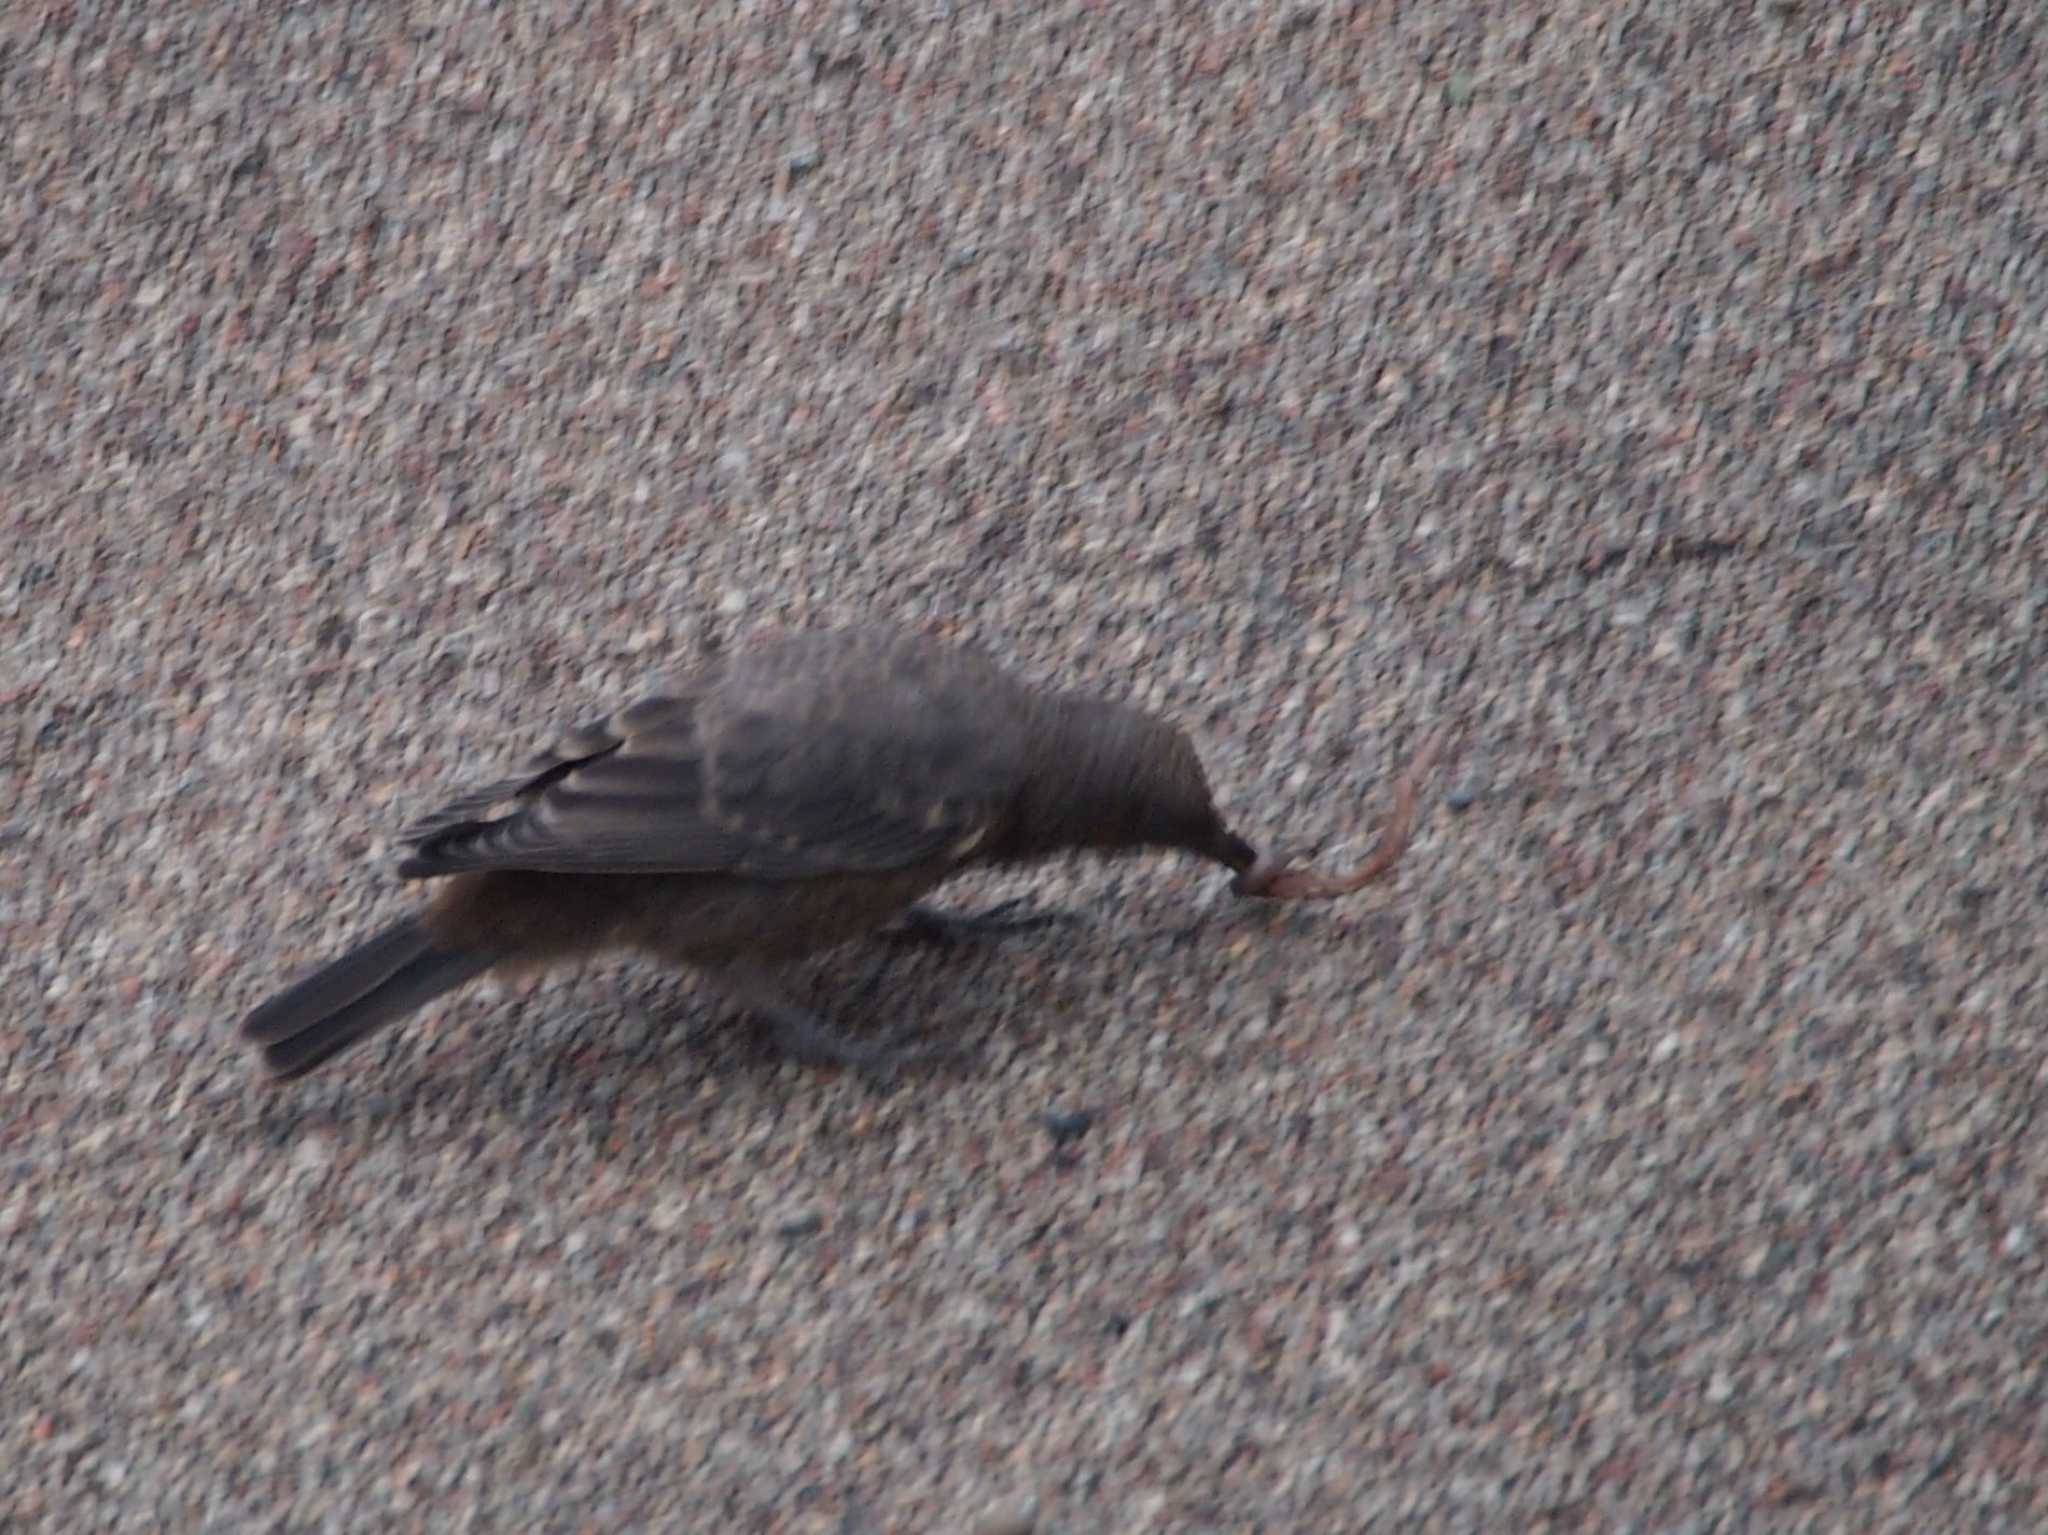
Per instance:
(772,783)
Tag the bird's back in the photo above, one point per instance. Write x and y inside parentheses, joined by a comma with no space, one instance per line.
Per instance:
(801,755)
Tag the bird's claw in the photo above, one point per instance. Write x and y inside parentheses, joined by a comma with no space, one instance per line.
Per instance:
(922,924)
(811,1043)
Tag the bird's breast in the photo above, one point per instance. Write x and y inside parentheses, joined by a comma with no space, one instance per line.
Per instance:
(710,919)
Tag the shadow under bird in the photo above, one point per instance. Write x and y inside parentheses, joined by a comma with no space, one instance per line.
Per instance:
(797,793)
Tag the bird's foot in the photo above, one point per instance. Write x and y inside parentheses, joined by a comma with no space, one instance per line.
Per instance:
(801,1037)
(922,924)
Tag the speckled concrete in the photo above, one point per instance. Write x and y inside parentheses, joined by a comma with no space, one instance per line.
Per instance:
(1653,394)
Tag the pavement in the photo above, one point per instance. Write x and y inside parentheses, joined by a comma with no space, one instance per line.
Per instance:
(1650,396)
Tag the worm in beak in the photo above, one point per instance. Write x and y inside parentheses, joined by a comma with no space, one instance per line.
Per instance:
(1271,879)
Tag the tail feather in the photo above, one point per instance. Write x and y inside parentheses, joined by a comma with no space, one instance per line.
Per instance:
(377,982)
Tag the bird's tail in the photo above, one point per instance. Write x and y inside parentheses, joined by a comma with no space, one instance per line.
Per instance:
(375,983)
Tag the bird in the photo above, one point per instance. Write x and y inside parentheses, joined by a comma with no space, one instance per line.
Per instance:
(774,799)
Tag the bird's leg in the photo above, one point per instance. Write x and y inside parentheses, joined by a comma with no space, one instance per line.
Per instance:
(802,1036)
(922,924)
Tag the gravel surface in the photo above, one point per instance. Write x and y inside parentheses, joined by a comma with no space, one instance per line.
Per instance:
(1652,393)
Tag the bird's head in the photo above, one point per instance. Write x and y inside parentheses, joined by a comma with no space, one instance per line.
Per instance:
(1128,780)
(1167,803)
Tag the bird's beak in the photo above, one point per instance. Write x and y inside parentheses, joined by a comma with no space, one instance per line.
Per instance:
(1232,850)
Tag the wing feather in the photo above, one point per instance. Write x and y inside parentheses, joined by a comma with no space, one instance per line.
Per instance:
(784,769)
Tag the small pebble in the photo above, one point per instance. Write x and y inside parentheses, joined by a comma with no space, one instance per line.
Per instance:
(1069,1126)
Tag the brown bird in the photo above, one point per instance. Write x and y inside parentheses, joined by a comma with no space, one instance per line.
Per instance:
(798,793)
